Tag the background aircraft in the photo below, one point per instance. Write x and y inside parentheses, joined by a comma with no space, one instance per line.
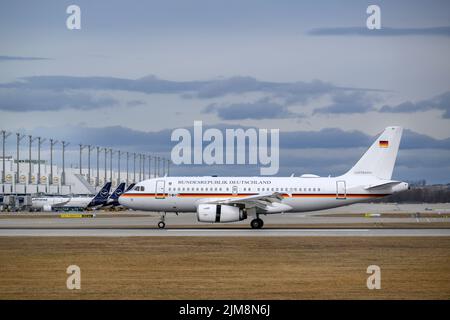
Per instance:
(50,203)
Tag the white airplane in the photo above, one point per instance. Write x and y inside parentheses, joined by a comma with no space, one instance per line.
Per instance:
(232,199)
(50,203)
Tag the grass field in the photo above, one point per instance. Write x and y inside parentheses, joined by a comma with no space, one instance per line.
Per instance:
(225,268)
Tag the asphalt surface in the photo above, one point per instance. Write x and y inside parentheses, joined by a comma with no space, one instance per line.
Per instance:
(139,223)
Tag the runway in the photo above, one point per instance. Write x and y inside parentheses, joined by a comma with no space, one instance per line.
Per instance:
(135,232)
(395,221)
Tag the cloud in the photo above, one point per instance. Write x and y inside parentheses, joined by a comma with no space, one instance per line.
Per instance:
(328,151)
(440,102)
(346,103)
(291,92)
(383,32)
(24,100)
(17,58)
(76,92)
(261,109)
(327,138)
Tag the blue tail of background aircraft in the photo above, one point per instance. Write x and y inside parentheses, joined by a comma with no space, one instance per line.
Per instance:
(130,187)
(102,196)
(114,198)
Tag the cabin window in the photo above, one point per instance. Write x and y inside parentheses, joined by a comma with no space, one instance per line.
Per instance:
(318,189)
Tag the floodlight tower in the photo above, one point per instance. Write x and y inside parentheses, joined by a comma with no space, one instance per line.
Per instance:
(111,152)
(81,152)
(90,148)
(155,166)
(4,136)
(63,175)
(118,166)
(134,167)
(106,168)
(19,138)
(40,142)
(98,169)
(52,143)
(149,167)
(128,155)
(30,141)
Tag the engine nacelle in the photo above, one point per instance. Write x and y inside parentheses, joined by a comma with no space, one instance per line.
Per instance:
(47,208)
(219,213)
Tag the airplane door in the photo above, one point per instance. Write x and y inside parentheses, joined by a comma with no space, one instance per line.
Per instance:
(341,192)
(234,190)
(160,189)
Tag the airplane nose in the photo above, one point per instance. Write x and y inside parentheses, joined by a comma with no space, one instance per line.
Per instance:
(123,201)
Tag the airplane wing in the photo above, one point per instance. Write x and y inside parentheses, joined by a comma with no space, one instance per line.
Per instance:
(60,202)
(261,201)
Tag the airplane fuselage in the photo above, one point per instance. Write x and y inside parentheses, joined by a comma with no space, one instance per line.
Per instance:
(184,194)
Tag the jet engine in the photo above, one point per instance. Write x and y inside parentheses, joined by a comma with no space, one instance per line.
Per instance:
(219,213)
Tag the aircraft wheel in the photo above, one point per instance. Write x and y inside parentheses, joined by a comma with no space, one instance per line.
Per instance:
(161,224)
(256,223)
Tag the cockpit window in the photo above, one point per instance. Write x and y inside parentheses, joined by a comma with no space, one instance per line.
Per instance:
(142,188)
(138,188)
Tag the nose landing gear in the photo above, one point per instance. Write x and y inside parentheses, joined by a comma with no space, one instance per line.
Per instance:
(162,224)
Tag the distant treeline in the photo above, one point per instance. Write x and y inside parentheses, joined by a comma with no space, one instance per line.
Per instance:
(427,194)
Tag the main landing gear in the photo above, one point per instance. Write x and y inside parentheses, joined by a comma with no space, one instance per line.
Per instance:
(162,224)
(257,223)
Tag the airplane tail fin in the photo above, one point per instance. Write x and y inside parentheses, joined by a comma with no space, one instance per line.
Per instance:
(118,192)
(130,187)
(379,159)
(103,194)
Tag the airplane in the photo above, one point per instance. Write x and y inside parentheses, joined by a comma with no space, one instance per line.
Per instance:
(130,187)
(49,203)
(113,199)
(231,199)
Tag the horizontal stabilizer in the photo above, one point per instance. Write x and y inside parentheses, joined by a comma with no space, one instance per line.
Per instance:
(382,185)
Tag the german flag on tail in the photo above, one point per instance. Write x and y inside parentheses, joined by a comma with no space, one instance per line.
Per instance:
(383,143)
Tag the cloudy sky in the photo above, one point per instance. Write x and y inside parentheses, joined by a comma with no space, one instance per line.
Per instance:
(139,69)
